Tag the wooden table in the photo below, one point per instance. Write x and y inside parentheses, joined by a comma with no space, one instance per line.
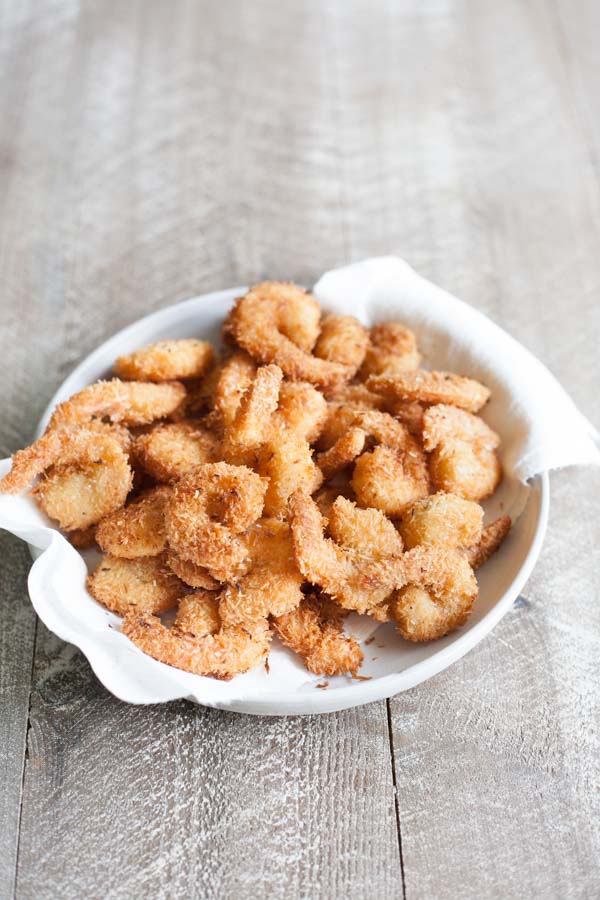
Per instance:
(151,151)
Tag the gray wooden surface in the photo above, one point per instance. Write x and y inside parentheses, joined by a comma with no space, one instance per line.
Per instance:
(150,151)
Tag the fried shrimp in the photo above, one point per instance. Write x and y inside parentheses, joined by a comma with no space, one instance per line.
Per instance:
(463,459)
(302,409)
(129,402)
(392,349)
(252,423)
(491,538)
(273,584)
(235,377)
(326,496)
(319,639)
(439,594)
(380,427)
(166,361)
(342,340)
(137,529)
(145,584)
(366,531)
(432,387)
(288,463)
(198,613)
(357,580)
(389,479)
(279,323)
(168,452)
(222,654)
(442,519)
(207,512)
(342,453)
(190,573)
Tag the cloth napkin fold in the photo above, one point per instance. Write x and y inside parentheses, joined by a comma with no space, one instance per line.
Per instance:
(541,427)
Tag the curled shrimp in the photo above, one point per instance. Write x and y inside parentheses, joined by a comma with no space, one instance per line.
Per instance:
(273,583)
(438,595)
(190,573)
(207,512)
(392,349)
(235,377)
(301,409)
(88,475)
(491,539)
(432,387)
(169,451)
(446,520)
(166,361)
(279,323)
(317,636)
(342,340)
(341,454)
(145,585)
(129,402)
(137,529)
(222,653)
(356,579)
(251,425)
(463,459)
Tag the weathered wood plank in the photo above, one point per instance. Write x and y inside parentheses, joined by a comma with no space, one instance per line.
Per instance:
(164,177)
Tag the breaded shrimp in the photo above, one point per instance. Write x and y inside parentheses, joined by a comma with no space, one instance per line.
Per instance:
(129,402)
(166,361)
(168,452)
(389,479)
(491,538)
(252,422)
(190,573)
(137,529)
(326,496)
(357,580)
(342,340)
(302,409)
(287,461)
(319,639)
(463,459)
(279,323)
(379,426)
(342,453)
(227,652)
(392,349)
(273,583)
(446,520)
(432,387)
(198,613)
(439,594)
(207,512)
(236,375)
(367,531)
(145,584)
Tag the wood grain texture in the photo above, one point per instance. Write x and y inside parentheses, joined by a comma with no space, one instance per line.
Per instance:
(151,151)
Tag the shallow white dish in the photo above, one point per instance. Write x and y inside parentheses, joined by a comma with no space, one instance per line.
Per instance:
(57,578)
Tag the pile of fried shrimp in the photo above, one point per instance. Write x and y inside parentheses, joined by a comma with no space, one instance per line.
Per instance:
(311,469)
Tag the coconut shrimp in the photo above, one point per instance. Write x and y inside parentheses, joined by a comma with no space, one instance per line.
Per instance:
(145,585)
(388,478)
(287,462)
(318,637)
(356,579)
(166,361)
(438,596)
(252,423)
(446,520)
(87,477)
(221,654)
(169,451)
(432,387)
(273,583)
(392,349)
(326,496)
(342,340)
(235,376)
(301,409)
(463,459)
(207,513)
(137,529)
(129,402)
(190,573)
(342,453)
(279,323)
(198,613)
(491,538)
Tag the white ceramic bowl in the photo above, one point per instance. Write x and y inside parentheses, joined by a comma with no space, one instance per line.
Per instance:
(57,579)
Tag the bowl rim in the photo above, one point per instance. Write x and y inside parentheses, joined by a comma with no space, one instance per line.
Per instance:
(356,693)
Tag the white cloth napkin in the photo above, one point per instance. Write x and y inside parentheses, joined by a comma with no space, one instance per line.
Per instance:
(546,431)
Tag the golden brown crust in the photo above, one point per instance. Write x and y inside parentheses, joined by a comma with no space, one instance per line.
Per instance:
(168,452)
(130,402)
(144,585)
(190,573)
(443,519)
(389,479)
(491,539)
(319,639)
(432,387)
(137,529)
(392,350)
(198,613)
(345,450)
(166,361)
(342,340)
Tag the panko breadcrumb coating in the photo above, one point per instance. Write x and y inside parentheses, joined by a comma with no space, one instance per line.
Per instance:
(194,475)
(166,361)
